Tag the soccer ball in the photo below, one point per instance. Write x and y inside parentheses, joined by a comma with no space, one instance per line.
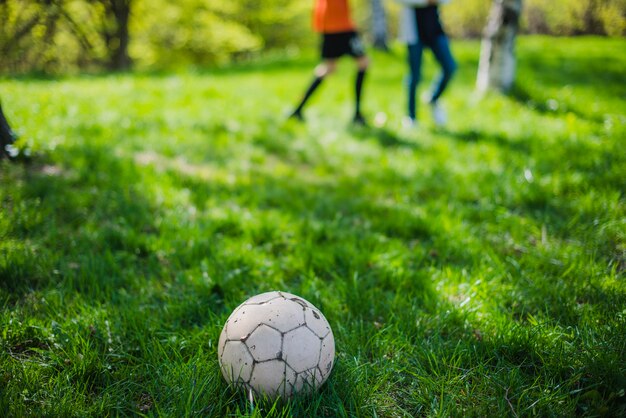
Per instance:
(276,344)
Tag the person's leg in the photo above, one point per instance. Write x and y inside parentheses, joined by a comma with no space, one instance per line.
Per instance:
(414,76)
(327,67)
(7,137)
(441,50)
(362,65)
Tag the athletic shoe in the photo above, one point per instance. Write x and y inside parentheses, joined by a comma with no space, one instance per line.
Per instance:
(439,114)
(410,123)
(11,151)
(8,150)
(359,120)
(297,115)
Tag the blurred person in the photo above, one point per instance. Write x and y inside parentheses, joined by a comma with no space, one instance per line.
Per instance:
(421,28)
(7,137)
(339,37)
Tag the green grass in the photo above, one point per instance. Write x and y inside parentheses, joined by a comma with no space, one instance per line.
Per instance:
(472,271)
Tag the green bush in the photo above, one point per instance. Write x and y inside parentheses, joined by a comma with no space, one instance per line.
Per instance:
(565,17)
(279,23)
(188,32)
(39,38)
(466,18)
(612,15)
(555,17)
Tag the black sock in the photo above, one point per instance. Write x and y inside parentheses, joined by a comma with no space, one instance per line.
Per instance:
(314,85)
(360,76)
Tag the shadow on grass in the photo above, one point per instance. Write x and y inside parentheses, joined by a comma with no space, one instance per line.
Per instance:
(385,137)
(73,224)
(337,228)
(92,228)
(565,66)
(542,105)
(474,136)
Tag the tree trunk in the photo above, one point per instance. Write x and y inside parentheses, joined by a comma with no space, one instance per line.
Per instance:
(6,135)
(379,25)
(497,56)
(117,36)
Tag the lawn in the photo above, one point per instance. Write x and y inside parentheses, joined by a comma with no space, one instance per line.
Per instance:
(476,270)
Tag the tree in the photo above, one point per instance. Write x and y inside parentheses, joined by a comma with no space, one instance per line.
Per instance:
(379,25)
(497,57)
(111,24)
(56,35)
(20,20)
(116,34)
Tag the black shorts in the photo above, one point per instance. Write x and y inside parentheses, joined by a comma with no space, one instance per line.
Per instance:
(335,45)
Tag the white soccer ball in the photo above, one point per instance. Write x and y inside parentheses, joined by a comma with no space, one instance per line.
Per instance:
(276,344)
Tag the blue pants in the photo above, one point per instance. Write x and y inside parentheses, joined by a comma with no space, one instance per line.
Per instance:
(441,50)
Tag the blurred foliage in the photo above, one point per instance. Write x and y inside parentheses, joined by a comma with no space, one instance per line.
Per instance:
(60,36)
(188,31)
(554,17)
(466,18)
(564,17)
(40,36)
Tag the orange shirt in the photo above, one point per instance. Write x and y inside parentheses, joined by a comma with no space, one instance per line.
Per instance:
(332,16)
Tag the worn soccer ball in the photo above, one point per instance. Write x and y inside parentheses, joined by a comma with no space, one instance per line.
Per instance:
(276,344)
